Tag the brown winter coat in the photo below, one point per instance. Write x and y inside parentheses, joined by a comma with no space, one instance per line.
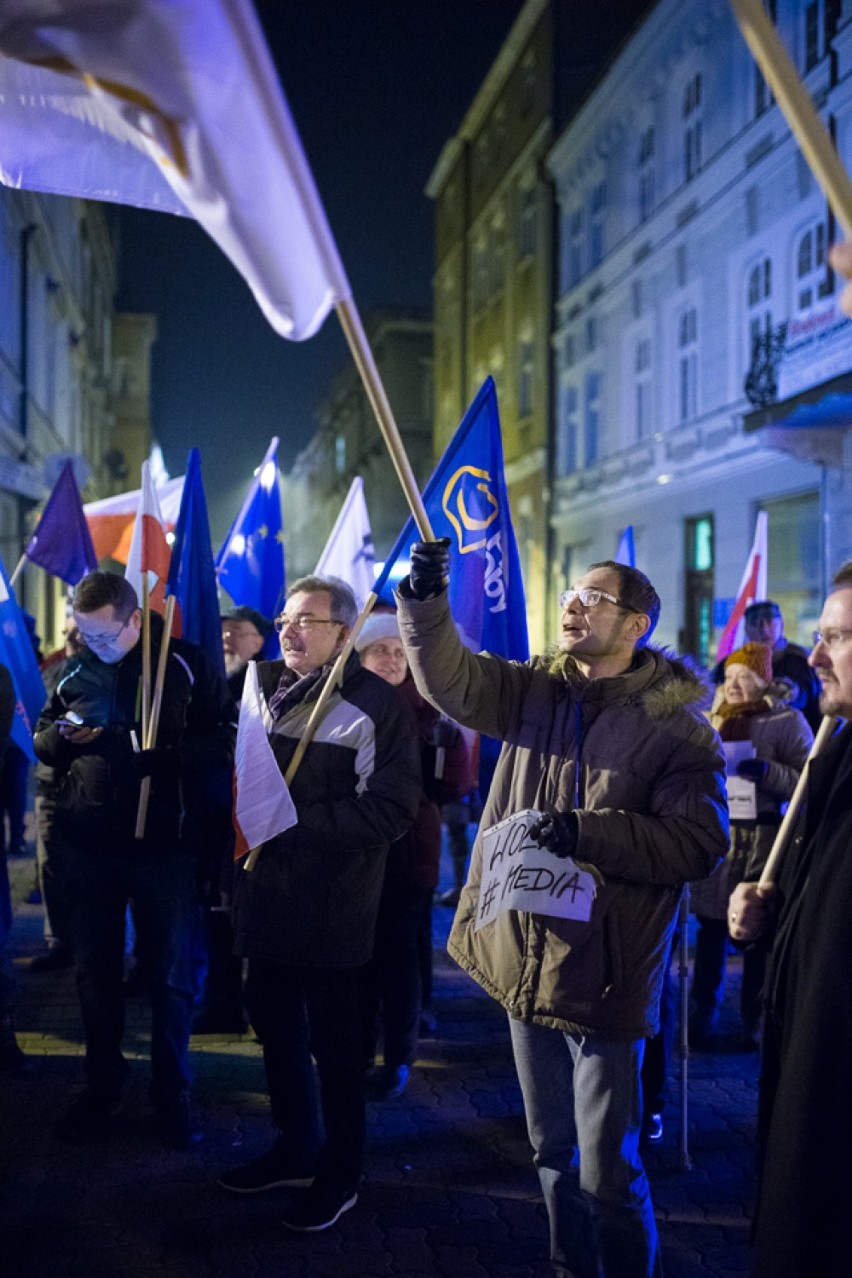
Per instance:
(644,769)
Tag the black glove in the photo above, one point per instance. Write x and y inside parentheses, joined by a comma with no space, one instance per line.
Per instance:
(559,832)
(752,769)
(157,762)
(430,569)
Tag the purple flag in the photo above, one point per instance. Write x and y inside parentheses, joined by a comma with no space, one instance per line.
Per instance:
(62,543)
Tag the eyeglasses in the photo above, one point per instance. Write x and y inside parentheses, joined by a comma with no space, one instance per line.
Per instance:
(303,622)
(102,641)
(830,638)
(590,598)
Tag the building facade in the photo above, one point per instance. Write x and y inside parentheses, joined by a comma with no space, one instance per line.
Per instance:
(347,443)
(493,283)
(697,317)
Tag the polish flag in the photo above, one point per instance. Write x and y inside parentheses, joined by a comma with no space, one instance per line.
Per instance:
(111,519)
(263,807)
(149,551)
(752,590)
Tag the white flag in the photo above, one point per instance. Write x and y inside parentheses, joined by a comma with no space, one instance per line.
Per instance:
(349,551)
(263,807)
(177,107)
(149,552)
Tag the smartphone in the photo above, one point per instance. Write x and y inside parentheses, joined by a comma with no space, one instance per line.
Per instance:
(70,719)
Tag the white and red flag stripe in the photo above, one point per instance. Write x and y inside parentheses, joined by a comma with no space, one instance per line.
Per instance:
(149,551)
(752,590)
(263,807)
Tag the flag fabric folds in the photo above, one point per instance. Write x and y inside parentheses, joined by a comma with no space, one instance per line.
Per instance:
(175,107)
(752,589)
(149,551)
(111,520)
(348,553)
(62,543)
(18,655)
(466,500)
(626,552)
(263,807)
(192,574)
(250,564)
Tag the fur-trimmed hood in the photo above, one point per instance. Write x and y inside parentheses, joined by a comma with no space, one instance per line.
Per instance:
(674,683)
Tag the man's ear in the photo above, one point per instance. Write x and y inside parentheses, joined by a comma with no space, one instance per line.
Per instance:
(640,625)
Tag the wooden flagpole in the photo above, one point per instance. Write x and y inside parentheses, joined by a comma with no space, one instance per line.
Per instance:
(359,346)
(798,110)
(149,732)
(782,838)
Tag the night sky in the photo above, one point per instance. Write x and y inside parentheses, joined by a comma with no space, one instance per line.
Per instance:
(376,87)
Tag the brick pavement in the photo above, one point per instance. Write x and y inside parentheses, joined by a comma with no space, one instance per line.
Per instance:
(449,1188)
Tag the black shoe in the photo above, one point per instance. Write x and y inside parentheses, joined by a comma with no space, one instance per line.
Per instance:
(652,1129)
(53,959)
(211,1023)
(701,1028)
(319,1208)
(392,1081)
(273,1170)
(178,1122)
(88,1117)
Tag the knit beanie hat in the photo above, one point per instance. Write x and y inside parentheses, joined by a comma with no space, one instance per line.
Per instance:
(757,657)
(379,625)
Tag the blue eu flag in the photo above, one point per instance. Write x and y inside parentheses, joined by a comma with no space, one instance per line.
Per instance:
(250,564)
(192,575)
(18,655)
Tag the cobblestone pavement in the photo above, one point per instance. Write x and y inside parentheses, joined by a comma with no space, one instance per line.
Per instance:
(449,1187)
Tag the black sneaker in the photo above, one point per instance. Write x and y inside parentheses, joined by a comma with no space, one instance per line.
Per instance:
(319,1208)
(53,959)
(273,1170)
(88,1116)
(179,1124)
(392,1082)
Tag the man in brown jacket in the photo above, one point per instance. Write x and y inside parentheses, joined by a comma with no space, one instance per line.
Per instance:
(604,739)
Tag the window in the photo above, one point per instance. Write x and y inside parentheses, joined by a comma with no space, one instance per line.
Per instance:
(498,258)
(642,382)
(566,444)
(591,334)
(480,274)
(763,98)
(699,587)
(569,351)
(687,343)
(597,225)
(793,558)
(528,82)
(592,419)
(647,175)
(812,49)
(637,300)
(340,454)
(692,127)
(527,222)
(526,356)
(758,295)
(814,279)
(573,250)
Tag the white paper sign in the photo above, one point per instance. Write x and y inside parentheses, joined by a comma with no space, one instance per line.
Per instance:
(519,875)
(742,797)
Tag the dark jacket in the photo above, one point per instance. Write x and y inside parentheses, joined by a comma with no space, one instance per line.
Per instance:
(805,1113)
(97,785)
(312,897)
(648,772)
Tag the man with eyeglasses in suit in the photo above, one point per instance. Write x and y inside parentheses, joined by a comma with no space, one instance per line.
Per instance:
(604,737)
(805,1116)
(305,915)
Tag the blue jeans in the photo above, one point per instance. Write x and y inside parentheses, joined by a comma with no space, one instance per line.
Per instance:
(583,1094)
(162,889)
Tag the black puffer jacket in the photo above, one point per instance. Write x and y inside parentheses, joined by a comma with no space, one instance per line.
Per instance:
(311,899)
(97,785)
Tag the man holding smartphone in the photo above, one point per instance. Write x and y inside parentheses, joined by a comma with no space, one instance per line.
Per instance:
(89,734)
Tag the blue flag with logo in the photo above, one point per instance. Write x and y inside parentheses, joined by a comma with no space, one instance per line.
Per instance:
(18,655)
(466,500)
(192,573)
(250,565)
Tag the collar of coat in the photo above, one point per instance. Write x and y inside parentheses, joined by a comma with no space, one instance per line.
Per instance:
(658,681)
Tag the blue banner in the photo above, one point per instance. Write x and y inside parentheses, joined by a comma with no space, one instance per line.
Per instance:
(18,655)
(466,500)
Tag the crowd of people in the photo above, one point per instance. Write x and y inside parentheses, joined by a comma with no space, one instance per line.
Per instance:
(619,766)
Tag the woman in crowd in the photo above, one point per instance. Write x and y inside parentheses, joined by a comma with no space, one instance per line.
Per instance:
(392,980)
(751,709)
